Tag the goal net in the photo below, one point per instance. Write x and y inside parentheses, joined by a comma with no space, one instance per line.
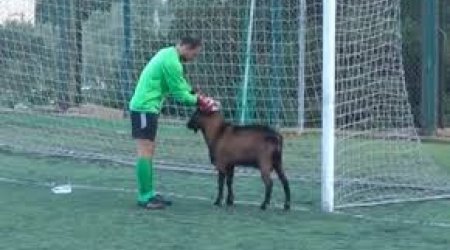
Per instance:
(69,68)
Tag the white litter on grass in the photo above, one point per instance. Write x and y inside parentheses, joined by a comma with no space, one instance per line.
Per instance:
(62,189)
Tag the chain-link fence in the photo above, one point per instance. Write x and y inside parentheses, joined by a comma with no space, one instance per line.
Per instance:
(41,42)
(412,58)
(445,63)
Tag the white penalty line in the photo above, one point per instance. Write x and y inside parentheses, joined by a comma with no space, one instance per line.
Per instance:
(129,190)
(242,202)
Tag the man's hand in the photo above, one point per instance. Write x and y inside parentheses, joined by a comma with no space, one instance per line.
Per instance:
(207,104)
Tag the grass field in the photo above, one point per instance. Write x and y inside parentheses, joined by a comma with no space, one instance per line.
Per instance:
(32,217)
(101,211)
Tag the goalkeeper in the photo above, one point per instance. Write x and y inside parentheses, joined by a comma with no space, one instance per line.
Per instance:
(162,76)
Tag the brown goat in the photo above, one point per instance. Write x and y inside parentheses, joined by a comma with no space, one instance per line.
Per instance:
(229,145)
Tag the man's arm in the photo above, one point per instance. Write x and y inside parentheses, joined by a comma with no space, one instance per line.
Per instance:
(178,86)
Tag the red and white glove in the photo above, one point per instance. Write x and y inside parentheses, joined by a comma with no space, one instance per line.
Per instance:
(207,104)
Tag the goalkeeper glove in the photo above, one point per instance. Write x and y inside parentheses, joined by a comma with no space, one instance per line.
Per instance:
(207,104)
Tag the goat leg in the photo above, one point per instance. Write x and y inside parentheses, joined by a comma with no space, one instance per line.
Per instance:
(230,196)
(285,183)
(220,182)
(268,184)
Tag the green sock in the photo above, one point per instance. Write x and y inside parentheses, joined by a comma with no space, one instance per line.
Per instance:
(144,173)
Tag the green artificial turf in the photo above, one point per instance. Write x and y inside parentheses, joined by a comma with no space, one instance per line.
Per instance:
(31,217)
(101,211)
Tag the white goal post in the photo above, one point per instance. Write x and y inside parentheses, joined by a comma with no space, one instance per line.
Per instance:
(328,107)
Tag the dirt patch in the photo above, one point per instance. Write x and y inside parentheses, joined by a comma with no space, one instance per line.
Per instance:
(95,111)
(444,132)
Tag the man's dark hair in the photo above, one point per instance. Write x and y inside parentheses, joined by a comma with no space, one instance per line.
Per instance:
(192,42)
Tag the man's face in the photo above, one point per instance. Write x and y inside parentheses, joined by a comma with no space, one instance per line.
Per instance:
(188,53)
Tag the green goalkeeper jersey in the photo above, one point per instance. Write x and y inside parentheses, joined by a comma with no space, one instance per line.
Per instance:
(162,76)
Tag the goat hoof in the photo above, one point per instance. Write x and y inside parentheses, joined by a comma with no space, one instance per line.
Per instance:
(230,203)
(218,203)
(287,207)
(263,206)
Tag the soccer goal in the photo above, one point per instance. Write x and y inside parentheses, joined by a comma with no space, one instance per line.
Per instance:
(327,74)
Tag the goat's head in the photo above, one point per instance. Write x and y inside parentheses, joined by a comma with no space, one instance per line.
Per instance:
(194,121)
(201,119)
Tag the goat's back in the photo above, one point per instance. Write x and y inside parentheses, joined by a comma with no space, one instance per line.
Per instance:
(259,132)
(248,144)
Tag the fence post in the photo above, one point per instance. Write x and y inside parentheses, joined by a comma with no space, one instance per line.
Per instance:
(276,63)
(78,5)
(430,69)
(301,66)
(248,55)
(442,52)
(126,59)
(63,54)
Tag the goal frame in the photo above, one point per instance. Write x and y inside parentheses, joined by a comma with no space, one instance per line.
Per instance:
(328,104)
